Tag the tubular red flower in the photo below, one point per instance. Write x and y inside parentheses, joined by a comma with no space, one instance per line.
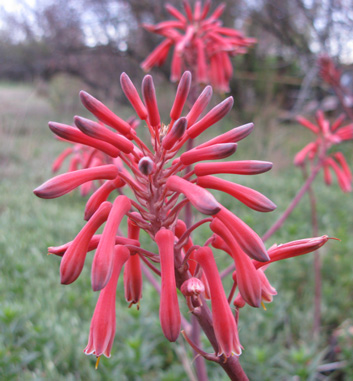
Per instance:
(132,95)
(214,152)
(201,62)
(93,244)
(97,131)
(342,161)
(232,136)
(293,249)
(65,183)
(306,123)
(72,262)
(105,115)
(201,103)
(102,265)
(103,324)
(149,96)
(247,239)
(303,153)
(176,66)
(169,313)
(175,133)
(346,132)
(75,135)
(241,167)
(181,95)
(248,281)
(250,197)
(174,12)
(101,195)
(267,291)
(343,180)
(212,117)
(132,270)
(224,324)
(157,57)
(201,199)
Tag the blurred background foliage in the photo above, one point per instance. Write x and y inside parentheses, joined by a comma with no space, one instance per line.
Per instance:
(49,50)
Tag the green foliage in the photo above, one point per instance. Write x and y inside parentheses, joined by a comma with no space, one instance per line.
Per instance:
(44,326)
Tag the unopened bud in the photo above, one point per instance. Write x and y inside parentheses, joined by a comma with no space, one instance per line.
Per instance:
(175,133)
(146,165)
(192,287)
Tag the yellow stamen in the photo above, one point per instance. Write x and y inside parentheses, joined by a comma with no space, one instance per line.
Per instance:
(263,306)
(97,362)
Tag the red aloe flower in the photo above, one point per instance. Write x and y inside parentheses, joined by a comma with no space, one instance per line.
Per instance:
(132,270)
(327,135)
(201,44)
(102,331)
(328,71)
(223,320)
(154,171)
(169,313)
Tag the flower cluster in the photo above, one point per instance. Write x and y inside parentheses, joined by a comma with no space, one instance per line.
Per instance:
(331,75)
(155,175)
(201,44)
(327,135)
(328,71)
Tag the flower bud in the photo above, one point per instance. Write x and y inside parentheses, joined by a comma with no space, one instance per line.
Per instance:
(74,135)
(250,197)
(232,136)
(98,131)
(102,265)
(192,287)
(149,96)
(200,198)
(105,115)
(201,103)
(65,183)
(212,117)
(181,95)
(72,263)
(132,95)
(242,167)
(214,152)
(175,133)
(169,313)
(146,165)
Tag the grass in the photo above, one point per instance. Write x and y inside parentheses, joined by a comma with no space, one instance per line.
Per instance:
(44,326)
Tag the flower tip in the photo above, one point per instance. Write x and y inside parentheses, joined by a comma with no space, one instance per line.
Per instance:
(40,192)
(327,238)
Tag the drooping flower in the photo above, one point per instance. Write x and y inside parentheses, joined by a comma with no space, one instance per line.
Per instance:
(132,270)
(224,324)
(154,171)
(327,135)
(201,44)
(103,324)
(262,287)
(169,314)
